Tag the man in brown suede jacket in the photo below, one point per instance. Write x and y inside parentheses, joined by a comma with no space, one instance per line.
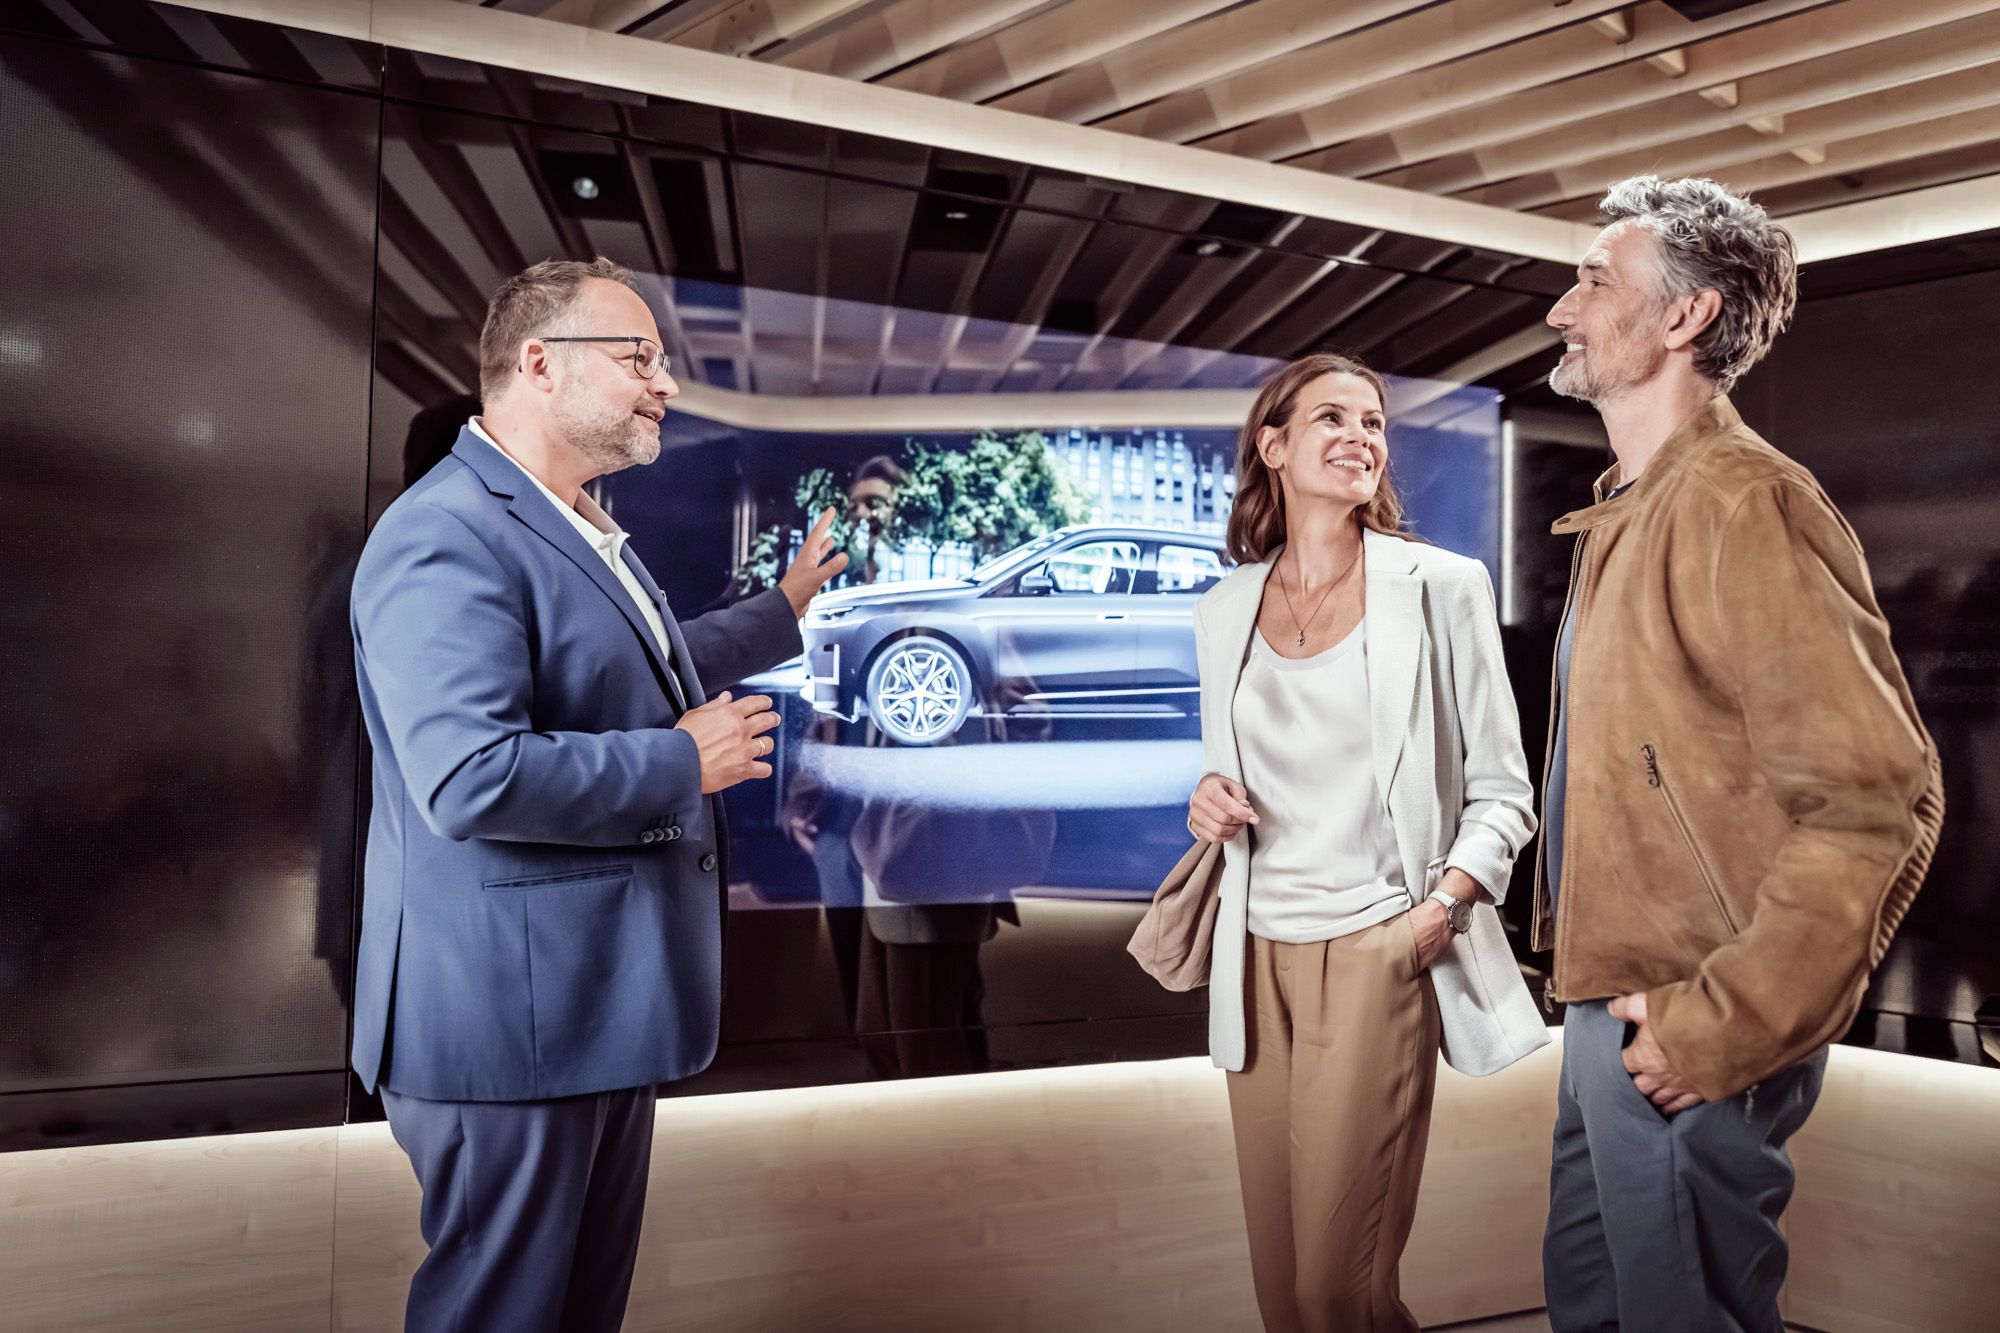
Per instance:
(1741,800)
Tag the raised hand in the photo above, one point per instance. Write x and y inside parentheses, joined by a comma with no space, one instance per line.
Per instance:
(810,572)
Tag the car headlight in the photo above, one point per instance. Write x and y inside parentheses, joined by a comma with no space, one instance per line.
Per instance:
(816,617)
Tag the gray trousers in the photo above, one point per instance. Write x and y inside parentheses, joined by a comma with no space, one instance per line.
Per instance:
(1658,1224)
(531,1210)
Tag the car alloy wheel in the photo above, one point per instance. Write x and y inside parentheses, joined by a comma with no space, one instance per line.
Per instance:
(919,691)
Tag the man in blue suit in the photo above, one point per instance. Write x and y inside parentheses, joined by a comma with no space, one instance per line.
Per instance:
(541,939)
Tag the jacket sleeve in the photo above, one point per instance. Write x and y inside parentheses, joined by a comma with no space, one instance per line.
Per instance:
(1499,813)
(736,642)
(441,647)
(1836,741)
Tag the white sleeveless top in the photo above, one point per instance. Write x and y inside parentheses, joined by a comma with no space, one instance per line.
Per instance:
(1323,858)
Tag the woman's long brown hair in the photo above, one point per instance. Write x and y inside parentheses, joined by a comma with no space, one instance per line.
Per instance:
(1257,517)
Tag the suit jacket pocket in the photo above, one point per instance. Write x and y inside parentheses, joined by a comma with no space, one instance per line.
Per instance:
(559,879)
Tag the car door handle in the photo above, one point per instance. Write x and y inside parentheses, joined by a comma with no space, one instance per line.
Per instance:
(1112,615)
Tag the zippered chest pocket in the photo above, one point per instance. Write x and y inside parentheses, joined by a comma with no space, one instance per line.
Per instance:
(1656,778)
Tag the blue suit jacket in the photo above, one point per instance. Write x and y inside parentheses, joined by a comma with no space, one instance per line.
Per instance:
(543,904)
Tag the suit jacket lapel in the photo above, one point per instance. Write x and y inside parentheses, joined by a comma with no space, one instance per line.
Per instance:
(1395,620)
(504,478)
(1230,620)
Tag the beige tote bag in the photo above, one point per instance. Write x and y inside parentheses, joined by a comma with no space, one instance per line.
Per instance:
(1172,941)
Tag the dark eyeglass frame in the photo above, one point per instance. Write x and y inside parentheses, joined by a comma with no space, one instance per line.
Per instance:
(639,346)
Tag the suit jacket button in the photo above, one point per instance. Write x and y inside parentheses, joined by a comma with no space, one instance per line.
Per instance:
(708,861)
(673,833)
(650,835)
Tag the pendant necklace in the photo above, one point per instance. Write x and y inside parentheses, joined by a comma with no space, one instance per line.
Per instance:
(1322,597)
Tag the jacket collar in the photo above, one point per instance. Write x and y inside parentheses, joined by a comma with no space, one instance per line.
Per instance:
(1717,416)
(1395,624)
(504,478)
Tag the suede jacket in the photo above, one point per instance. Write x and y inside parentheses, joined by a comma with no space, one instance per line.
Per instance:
(1752,800)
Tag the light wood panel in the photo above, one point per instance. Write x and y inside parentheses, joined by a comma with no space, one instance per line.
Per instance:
(748,26)
(1567,122)
(1320,72)
(1098,1198)
(882,39)
(1044,43)
(1893,108)
(1195,54)
(1381,128)
(1897,1221)
(191,1236)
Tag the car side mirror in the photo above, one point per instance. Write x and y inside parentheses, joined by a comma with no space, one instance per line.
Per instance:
(1037,584)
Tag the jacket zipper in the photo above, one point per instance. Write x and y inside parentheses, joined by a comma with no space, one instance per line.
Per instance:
(1654,778)
(1535,927)
(1579,583)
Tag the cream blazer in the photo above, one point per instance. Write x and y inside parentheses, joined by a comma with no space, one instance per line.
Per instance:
(1447,750)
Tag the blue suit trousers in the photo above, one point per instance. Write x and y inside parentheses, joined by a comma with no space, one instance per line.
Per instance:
(531,1210)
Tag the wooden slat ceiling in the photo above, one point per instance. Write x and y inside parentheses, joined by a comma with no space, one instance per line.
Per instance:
(1532,105)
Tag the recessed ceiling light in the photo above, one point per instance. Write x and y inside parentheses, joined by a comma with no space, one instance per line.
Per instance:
(585,187)
(956,215)
(1209,248)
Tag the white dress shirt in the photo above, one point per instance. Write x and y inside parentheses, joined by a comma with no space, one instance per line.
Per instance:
(608,540)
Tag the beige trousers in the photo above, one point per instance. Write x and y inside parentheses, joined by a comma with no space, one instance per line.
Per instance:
(1331,1113)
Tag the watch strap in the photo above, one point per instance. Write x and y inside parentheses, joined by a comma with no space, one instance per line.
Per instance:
(1455,911)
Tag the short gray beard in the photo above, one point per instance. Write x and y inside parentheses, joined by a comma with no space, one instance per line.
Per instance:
(1576,382)
(608,436)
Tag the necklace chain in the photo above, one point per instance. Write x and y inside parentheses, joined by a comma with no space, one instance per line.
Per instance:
(1301,626)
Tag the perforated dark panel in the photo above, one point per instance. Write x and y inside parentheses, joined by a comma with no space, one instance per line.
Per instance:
(184,390)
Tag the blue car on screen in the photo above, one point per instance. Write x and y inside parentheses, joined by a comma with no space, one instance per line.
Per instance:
(1092,621)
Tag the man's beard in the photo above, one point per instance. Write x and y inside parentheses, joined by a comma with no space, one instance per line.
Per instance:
(611,437)
(1574,381)
(1577,380)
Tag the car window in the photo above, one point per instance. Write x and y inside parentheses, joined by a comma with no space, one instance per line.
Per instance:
(1015,556)
(1187,569)
(1106,567)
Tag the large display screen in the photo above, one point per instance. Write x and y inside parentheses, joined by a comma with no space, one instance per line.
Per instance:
(991,737)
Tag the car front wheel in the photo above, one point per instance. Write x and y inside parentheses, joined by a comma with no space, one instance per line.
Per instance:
(919,690)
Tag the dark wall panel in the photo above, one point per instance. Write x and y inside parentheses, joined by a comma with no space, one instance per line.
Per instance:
(184,393)
(1890,397)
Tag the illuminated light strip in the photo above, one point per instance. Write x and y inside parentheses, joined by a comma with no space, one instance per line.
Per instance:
(862,414)
(570,51)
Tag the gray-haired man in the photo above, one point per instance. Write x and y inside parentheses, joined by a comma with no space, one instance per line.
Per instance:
(1741,799)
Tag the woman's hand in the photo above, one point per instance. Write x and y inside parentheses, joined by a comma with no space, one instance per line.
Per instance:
(1432,927)
(1219,810)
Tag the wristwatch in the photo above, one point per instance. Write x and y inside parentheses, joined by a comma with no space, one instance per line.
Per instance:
(1457,912)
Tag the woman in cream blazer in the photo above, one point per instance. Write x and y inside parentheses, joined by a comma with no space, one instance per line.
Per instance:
(1364,759)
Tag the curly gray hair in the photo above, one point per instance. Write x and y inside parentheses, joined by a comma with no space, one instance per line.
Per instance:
(1710,239)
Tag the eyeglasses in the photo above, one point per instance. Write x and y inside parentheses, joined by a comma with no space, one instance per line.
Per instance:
(646,357)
